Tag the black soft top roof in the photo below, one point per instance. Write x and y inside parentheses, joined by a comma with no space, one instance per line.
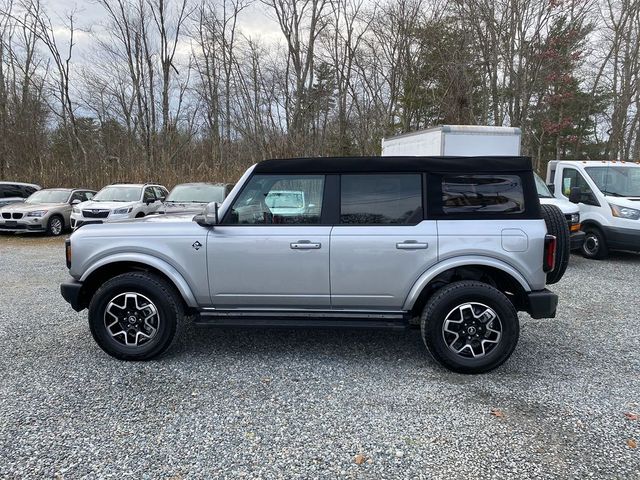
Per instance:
(319,165)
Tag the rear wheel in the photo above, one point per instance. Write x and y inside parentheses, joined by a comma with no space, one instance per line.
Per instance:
(134,316)
(558,227)
(595,245)
(55,225)
(470,327)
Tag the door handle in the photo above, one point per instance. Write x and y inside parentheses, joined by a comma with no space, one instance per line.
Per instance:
(305,245)
(411,245)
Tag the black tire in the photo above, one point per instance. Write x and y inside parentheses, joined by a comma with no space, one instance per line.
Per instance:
(558,227)
(55,225)
(149,287)
(594,245)
(445,302)
(139,215)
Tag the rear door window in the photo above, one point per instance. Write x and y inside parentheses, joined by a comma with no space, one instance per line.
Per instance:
(381,199)
(479,193)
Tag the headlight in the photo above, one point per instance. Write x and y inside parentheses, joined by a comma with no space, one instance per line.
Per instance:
(575,218)
(76,210)
(37,213)
(122,211)
(624,212)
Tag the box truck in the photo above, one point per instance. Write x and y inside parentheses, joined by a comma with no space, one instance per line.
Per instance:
(479,140)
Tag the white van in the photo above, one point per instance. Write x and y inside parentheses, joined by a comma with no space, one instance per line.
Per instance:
(609,199)
(479,140)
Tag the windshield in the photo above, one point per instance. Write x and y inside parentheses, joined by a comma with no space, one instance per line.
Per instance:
(284,199)
(49,196)
(196,194)
(541,187)
(118,194)
(616,181)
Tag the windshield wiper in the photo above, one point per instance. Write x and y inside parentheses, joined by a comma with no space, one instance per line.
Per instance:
(613,194)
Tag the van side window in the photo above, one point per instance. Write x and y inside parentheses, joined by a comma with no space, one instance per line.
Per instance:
(482,194)
(381,199)
(572,178)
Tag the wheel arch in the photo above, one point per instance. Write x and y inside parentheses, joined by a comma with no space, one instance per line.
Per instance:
(502,275)
(111,266)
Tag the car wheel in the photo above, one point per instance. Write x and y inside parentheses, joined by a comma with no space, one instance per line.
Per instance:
(470,327)
(134,316)
(594,245)
(55,225)
(558,227)
(139,215)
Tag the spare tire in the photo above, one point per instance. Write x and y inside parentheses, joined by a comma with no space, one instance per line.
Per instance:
(558,227)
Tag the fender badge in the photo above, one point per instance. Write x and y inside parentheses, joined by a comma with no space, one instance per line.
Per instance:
(197,245)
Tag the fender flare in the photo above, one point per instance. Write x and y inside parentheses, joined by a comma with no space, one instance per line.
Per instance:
(465,261)
(169,271)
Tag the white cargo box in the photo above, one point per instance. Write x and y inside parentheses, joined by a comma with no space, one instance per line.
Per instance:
(455,140)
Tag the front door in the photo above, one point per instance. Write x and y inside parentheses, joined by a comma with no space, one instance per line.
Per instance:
(271,249)
(382,243)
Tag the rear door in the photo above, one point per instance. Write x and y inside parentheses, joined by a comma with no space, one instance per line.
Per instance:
(382,243)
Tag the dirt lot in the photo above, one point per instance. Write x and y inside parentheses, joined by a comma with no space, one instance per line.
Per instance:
(303,404)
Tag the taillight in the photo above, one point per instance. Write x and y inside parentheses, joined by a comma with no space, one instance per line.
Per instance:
(67,251)
(550,245)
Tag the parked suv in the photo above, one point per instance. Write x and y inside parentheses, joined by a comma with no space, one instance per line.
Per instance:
(13,192)
(456,246)
(193,197)
(47,210)
(120,201)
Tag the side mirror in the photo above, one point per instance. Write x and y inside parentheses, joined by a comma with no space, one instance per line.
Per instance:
(209,216)
(552,188)
(575,195)
(76,201)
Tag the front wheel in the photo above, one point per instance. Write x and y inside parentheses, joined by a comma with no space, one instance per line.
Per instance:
(470,327)
(134,316)
(55,225)
(595,245)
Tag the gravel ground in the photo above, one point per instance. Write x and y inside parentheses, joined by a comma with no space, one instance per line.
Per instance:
(307,404)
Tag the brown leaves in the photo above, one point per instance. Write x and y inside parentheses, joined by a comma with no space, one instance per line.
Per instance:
(632,443)
(631,416)
(497,413)
(359,459)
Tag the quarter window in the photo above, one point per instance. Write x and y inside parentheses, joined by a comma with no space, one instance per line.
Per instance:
(381,199)
(482,194)
(279,199)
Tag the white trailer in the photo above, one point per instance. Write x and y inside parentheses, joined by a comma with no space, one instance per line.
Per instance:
(455,140)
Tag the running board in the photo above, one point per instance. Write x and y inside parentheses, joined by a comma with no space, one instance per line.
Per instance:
(304,319)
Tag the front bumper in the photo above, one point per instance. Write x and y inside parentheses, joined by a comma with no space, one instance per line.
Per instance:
(542,304)
(72,292)
(25,224)
(622,238)
(577,239)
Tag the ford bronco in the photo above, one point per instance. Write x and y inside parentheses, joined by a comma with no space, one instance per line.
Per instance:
(454,245)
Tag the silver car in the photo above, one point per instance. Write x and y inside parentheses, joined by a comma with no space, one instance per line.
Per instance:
(454,246)
(47,210)
(15,192)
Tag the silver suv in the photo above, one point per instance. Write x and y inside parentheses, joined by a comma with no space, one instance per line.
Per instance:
(453,245)
(120,201)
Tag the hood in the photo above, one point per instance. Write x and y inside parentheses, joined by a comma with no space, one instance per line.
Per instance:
(32,207)
(564,205)
(91,205)
(171,207)
(169,217)
(156,226)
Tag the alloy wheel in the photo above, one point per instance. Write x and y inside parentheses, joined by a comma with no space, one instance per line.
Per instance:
(56,226)
(472,330)
(131,319)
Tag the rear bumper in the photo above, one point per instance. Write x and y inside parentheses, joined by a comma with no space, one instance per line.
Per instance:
(577,239)
(72,292)
(622,238)
(542,304)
